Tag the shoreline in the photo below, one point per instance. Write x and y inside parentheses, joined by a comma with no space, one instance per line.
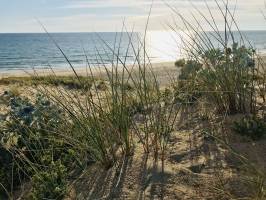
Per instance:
(160,66)
(82,71)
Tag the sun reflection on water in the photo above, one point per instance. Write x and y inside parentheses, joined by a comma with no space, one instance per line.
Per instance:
(163,46)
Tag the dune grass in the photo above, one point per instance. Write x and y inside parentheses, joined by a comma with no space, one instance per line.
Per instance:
(67,81)
(130,107)
(228,78)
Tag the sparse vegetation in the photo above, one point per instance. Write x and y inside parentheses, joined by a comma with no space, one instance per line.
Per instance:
(76,122)
(223,74)
(250,126)
(29,142)
(69,82)
(51,183)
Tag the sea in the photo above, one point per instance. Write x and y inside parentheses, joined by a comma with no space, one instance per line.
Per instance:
(25,51)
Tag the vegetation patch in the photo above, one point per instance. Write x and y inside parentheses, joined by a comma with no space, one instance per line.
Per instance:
(250,126)
(226,79)
(67,81)
(50,183)
(29,143)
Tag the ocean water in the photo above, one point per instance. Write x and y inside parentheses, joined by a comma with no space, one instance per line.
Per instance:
(22,51)
(28,50)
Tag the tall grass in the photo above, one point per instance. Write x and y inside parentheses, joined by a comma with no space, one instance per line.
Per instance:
(223,70)
(103,120)
(229,66)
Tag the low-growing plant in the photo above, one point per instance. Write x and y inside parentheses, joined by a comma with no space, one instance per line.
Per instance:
(51,183)
(9,172)
(187,90)
(180,63)
(69,82)
(250,126)
(228,79)
(189,69)
(186,93)
(33,124)
(227,72)
(29,140)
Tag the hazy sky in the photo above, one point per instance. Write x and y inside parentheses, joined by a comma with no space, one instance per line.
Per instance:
(108,15)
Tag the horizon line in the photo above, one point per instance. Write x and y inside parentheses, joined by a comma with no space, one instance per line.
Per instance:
(116,31)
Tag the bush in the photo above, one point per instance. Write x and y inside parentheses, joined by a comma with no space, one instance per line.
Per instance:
(51,183)
(33,124)
(226,77)
(186,93)
(9,172)
(84,83)
(189,69)
(180,63)
(250,126)
(28,140)
(186,90)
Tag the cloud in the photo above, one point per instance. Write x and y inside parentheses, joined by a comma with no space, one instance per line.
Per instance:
(103,19)
(108,15)
(111,3)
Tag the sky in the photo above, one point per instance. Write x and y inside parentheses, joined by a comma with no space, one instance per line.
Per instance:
(109,15)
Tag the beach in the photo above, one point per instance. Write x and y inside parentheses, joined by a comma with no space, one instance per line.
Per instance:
(169,103)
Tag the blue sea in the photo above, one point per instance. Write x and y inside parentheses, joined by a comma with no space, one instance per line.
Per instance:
(22,51)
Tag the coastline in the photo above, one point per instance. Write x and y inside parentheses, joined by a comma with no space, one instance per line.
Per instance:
(191,129)
(158,67)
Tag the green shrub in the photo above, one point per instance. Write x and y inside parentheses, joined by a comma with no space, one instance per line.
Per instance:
(187,90)
(228,79)
(29,140)
(250,126)
(33,124)
(51,183)
(9,172)
(69,82)
(189,69)
(184,95)
(180,63)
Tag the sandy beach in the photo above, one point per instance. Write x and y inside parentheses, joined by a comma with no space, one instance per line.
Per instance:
(193,165)
(191,127)
(159,67)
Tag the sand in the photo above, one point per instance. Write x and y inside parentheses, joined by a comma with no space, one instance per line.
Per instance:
(160,67)
(194,167)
